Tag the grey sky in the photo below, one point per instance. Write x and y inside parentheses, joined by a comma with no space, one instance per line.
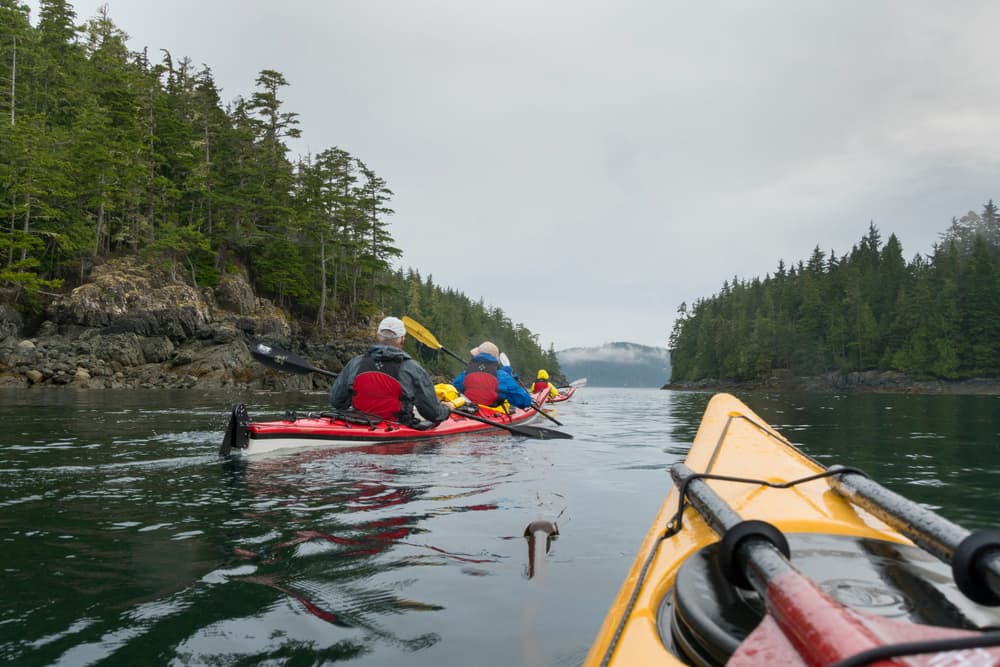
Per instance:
(587,166)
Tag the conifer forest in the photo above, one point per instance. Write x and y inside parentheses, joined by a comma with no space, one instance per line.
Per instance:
(107,152)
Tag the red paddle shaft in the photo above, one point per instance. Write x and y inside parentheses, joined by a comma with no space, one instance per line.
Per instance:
(804,626)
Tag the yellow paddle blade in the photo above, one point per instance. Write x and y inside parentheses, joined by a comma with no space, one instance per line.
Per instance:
(417,330)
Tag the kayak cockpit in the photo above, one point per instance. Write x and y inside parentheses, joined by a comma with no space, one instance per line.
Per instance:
(705,617)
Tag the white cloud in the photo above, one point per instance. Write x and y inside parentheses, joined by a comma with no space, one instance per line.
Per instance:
(620,355)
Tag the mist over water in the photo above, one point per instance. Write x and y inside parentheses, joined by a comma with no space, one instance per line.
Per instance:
(128,541)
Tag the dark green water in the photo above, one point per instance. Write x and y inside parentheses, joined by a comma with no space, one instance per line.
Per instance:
(127,541)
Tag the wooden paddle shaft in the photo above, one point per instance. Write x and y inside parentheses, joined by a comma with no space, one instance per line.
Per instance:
(977,564)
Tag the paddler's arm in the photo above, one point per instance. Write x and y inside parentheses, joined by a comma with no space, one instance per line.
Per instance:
(509,389)
(421,387)
(340,392)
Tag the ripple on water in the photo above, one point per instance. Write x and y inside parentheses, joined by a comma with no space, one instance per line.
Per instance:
(187,535)
(74,628)
(933,482)
(18,501)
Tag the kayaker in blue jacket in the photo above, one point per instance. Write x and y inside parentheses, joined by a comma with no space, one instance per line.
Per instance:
(486,382)
(387,382)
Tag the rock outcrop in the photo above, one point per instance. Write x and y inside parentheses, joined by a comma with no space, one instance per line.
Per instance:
(131,327)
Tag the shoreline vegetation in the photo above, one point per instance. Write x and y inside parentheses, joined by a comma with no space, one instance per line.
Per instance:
(152,229)
(881,382)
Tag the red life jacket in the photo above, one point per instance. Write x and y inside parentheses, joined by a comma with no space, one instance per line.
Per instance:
(481,383)
(376,390)
(539,386)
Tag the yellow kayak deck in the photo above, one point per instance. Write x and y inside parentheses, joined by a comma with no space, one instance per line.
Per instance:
(731,441)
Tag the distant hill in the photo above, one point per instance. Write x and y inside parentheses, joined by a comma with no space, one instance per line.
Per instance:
(617,365)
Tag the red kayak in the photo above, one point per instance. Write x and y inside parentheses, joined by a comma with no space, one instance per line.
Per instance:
(348,428)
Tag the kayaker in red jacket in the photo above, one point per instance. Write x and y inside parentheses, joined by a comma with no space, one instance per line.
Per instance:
(486,382)
(387,382)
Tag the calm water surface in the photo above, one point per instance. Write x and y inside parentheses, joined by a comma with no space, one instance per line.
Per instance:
(127,541)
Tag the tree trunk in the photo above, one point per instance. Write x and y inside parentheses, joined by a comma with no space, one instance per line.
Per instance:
(208,180)
(99,227)
(374,256)
(27,222)
(321,312)
(336,274)
(354,286)
(13,222)
(13,79)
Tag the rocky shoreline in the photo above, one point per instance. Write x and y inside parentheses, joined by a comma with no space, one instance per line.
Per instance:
(887,382)
(132,328)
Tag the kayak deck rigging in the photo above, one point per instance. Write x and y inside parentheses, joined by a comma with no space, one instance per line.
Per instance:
(755,547)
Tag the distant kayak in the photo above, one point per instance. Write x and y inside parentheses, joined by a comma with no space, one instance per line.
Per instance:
(565,393)
(814,566)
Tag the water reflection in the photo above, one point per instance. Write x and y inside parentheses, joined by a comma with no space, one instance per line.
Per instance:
(299,528)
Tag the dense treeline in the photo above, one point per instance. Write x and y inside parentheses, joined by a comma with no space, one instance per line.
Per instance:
(937,316)
(106,152)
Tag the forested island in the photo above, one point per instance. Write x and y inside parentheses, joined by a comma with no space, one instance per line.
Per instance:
(867,313)
(108,155)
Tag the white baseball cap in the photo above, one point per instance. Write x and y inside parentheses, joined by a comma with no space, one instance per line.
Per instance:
(394,325)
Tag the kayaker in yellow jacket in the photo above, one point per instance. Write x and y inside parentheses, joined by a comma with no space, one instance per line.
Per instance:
(541,382)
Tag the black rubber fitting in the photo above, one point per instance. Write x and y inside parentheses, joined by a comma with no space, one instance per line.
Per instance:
(969,570)
(735,571)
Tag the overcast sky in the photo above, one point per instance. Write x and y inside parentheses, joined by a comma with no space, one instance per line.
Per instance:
(588,166)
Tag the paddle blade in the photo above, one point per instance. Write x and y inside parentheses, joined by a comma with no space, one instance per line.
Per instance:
(425,337)
(236,430)
(541,433)
(578,383)
(283,360)
(417,330)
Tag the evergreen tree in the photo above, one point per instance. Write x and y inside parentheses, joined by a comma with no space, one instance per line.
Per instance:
(373,197)
(980,306)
